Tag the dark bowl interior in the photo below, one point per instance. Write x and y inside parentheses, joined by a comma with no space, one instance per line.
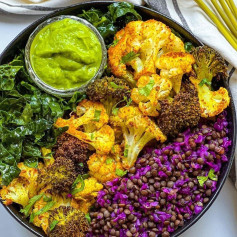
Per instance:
(19,43)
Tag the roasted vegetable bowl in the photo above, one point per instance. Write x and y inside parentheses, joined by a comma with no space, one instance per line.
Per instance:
(142,151)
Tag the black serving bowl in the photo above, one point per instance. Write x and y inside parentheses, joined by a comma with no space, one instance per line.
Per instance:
(20,41)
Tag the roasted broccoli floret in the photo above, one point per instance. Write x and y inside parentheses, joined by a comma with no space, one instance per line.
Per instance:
(173,66)
(21,189)
(209,64)
(105,167)
(72,148)
(110,91)
(150,90)
(60,175)
(101,140)
(67,222)
(182,112)
(138,130)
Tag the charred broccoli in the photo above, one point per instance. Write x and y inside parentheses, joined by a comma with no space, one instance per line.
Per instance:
(182,112)
(209,64)
(138,130)
(72,148)
(60,175)
(67,222)
(110,91)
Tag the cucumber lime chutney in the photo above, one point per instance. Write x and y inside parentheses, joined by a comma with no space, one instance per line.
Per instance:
(65,54)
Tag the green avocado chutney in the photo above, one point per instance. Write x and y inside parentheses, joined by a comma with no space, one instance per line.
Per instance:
(65,54)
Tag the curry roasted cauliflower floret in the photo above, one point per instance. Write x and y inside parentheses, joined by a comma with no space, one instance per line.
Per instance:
(103,167)
(101,140)
(92,187)
(209,64)
(173,66)
(150,90)
(92,115)
(175,44)
(138,130)
(84,199)
(21,189)
(145,42)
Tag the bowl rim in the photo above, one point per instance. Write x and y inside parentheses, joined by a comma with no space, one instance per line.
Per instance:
(46,87)
(179,231)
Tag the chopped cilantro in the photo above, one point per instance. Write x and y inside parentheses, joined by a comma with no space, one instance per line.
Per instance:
(115,42)
(80,180)
(120,172)
(47,199)
(53,224)
(129,57)
(87,216)
(46,208)
(115,86)
(109,161)
(146,90)
(97,115)
(125,153)
(205,82)
(115,111)
(203,179)
(92,136)
(31,203)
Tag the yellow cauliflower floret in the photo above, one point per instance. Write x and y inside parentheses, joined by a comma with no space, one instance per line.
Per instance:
(211,102)
(144,38)
(91,189)
(16,192)
(103,167)
(83,205)
(173,66)
(145,41)
(21,189)
(138,130)
(102,140)
(92,115)
(150,90)
(175,44)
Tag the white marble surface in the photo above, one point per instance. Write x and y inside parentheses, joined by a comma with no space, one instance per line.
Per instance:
(219,221)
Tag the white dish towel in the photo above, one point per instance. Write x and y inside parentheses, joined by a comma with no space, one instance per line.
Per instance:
(186,12)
